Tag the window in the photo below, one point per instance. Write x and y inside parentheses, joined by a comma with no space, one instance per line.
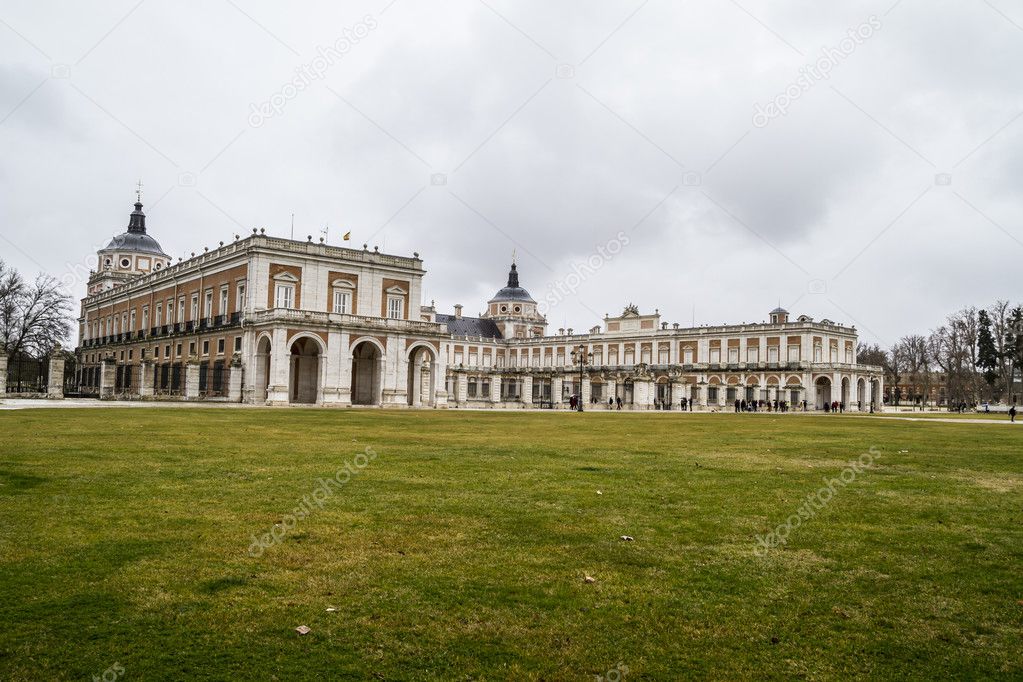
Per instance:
(223,300)
(220,347)
(237,344)
(394,305)
(205,347)
(207,308)
(125,263)
(181,309)
(472,389)
(753,354)
(145,317)
(179,350)
(793,353)
(159,315)
(170,311)
(285,296)
(733,355)
(458,357)
(195,307)
(191,348)
(817,353)
(342,301)
(240,301)
(715,356)
(630,357)
(166,351)
(772,353)
(156,352)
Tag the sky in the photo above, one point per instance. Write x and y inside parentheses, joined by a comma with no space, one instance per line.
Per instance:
(855,161)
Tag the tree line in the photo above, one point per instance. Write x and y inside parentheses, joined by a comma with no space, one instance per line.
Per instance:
(975,356)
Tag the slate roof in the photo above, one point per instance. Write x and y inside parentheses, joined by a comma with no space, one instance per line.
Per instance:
(470,326)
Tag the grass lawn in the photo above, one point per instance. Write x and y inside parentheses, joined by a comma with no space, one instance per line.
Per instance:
(459,549)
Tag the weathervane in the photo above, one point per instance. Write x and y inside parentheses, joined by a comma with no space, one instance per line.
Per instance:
(138,191)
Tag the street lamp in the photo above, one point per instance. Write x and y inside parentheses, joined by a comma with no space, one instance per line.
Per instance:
(581,358)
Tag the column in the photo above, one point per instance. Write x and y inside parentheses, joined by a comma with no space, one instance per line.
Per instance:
(438,376)
(277,392)
(556,383)
(107,377)
(234,380)
(585,391)
(331,373)
(3,372)
(678,389)
(146,379)
(527,390)
(495,389)
(55,381)
(879,398)
(192,378)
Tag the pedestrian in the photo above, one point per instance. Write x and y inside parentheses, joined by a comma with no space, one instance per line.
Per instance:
(1012,413)
(618,402)
(610,403)
(739,405)
(804,406)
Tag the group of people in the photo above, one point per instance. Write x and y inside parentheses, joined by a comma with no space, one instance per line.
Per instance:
(763,405)
(834,407)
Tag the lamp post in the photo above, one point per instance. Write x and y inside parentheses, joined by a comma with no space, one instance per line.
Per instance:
(581,358)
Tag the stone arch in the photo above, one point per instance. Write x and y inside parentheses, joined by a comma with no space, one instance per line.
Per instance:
(822,392)
(261,368)
(422,377)
(305,369)
(367,371)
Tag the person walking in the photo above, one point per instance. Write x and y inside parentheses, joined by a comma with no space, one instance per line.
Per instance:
(618,402)
(1012,414)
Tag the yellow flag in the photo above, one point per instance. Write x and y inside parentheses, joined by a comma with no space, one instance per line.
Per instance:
(348,235)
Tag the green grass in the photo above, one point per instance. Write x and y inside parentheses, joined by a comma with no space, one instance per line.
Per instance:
(460,551)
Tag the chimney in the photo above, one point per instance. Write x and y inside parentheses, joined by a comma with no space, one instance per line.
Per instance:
(458,311)
(561,331)
(570,331)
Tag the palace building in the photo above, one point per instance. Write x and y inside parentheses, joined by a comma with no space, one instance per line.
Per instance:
(270,321)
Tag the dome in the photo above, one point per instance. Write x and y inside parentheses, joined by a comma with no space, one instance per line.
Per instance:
(781,310)
(513,292)
(136,240)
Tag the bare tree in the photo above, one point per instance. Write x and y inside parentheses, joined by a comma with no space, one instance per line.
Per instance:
(33,317)
(913,350)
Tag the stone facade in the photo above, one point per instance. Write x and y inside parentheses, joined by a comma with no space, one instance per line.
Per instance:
(272,321)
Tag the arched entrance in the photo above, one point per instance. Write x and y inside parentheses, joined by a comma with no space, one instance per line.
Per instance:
(421,388)
(261,371)
(823,386)
(861,393)
(304,377)
(367,374)
(845,392)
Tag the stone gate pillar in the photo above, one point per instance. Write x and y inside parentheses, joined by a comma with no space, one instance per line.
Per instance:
(234,379)
(55,381)
(585,391)
(461,388)
(556,387)
(146,379)
(3,372)
(107,377)
(192,378)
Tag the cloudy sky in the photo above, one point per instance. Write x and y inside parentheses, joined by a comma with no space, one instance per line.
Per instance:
(859,162)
